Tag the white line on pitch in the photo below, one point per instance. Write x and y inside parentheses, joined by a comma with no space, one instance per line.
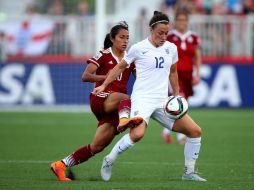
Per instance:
(122,162)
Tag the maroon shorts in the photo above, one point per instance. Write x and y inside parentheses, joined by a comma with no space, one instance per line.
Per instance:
(185,83)
(97,107)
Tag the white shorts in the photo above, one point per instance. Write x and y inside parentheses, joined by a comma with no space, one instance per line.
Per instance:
(147,108)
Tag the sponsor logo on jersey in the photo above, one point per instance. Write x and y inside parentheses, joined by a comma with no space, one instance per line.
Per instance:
(144,52)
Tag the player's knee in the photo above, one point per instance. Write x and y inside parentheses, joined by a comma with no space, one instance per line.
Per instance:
(137,136)
(196,132)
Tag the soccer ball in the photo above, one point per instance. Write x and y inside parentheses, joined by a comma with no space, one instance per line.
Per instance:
(176,107)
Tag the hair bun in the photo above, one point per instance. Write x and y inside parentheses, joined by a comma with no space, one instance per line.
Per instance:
(157,13)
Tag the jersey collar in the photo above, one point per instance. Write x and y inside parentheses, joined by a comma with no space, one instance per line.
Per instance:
(115,57)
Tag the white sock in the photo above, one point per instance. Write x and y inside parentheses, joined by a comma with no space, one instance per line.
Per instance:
(191,152)
(69,161)
(121,146)
(180,136)
(166,131)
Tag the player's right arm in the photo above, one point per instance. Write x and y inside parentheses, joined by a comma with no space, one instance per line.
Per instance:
(92,65)
(113,74)
(89,76)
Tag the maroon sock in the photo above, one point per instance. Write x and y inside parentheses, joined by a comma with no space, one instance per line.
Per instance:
(82,154)
(124,106)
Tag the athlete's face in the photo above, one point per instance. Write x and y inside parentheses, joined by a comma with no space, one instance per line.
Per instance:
(159,34)
(120,42)
(181,23)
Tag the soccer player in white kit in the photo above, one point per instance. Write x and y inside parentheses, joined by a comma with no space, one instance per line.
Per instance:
(155,60)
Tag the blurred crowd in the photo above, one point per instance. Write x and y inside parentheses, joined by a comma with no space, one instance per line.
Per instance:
(209,7)
(61,7)
(62,43)
(83,7)
(59,43)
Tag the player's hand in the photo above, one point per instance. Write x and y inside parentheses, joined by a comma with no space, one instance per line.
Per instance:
(195,80)
(98,89)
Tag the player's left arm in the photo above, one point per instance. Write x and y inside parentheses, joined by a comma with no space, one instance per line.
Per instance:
(173,78)
(197,63)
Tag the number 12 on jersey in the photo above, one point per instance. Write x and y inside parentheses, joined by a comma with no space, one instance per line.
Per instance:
(159,62)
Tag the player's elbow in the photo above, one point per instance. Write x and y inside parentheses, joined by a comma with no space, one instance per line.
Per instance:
(85,77)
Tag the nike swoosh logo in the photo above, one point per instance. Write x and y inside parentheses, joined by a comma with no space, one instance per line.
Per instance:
(144,52)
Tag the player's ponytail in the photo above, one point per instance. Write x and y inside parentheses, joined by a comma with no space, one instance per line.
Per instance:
(107,42)
(158,17)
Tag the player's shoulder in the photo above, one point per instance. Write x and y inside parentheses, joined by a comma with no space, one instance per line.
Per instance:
(103,53)
(106,51)
(140,44)
(193,38)
(101,56)
(193,34)
(170,45)
(171,34)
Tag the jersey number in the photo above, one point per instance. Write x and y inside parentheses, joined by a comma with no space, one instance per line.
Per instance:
(119,78)
(159,62)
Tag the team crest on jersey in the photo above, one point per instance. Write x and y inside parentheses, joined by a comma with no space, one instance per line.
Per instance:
(98,56)
(167,51)
(110,62)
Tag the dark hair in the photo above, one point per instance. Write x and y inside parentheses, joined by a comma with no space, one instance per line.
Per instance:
(182,12)
(113,32)
(107,42)
(158,17)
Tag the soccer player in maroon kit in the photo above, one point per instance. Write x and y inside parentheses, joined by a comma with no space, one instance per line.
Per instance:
(189,53)
(107,104)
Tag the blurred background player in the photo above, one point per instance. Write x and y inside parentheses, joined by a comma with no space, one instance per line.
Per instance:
(188,46)
(106,104)
(155,59)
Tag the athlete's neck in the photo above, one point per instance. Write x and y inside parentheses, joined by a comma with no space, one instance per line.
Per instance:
(182,31)
(118,53)
(152,42)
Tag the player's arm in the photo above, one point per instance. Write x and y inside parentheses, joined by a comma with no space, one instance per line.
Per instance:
(89,76)
(173,78)
(133,70)
(197,63)
(113,74)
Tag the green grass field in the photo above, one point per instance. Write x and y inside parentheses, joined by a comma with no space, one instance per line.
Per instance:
(29,142)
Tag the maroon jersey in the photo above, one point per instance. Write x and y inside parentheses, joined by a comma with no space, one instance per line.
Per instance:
(105,61)
(186,46)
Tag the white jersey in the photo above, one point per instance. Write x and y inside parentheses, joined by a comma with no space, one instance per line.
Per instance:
(152,68)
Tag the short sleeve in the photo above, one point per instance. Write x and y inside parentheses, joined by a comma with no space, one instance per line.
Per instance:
(97,60)
(175,54)
(197,41)
(131,56)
